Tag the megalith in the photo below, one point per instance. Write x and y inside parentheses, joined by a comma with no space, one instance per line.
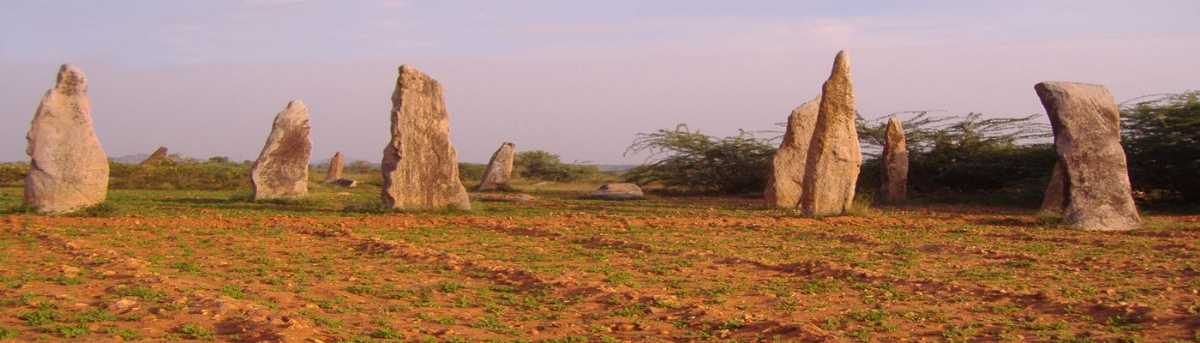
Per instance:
(1087,139)
(785,183)
(336,165)
(834,156)
(420,166)
(894,162)
(68,168)
(281,171)
(498,173)
(158,157)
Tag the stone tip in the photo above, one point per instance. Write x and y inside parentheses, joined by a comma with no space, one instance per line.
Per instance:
(71,78)
(296,105)
(408,69)
(841,63)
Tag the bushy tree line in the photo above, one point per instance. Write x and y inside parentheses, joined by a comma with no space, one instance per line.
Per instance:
(1161,135)
(216,173)
(541,165)
(689,161)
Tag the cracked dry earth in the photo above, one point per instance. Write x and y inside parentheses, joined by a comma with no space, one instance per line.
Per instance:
(566,270)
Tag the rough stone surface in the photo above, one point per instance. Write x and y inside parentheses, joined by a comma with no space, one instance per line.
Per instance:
(281,171)
(834,157)
(68,168)
(499,169)
(895,163)
(786,181)
(503,197)
(420,166)
(617,191)
(1053,201)
(158,157)
(336,165)
(1087,138)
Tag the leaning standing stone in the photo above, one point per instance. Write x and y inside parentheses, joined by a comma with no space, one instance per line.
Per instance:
(834,157)
(895,163)
(420,166)
(336,164)
(786,181)
(499,169)
(281,171)
(1087,138)
(68,168)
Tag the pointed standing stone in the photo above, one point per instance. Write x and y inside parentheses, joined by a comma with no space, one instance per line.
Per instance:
(420,166)
(336,164)
(1053,201)
(68,169)
(786,181)
(895,163)
(281,171)
(1087,138)
(158,157)
(499,169)
(833,157)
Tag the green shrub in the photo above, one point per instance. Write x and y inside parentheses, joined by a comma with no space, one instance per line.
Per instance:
(1161,136)
(13,174)
(689,161)
(541,165)
(214,174)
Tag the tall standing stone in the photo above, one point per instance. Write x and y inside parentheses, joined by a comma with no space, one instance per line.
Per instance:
(420,166)
(833,157)
(499,169)
(281,171)
(158,157)
(895,163)
(68,168)
(1087,139)
(336,165)
(785,184)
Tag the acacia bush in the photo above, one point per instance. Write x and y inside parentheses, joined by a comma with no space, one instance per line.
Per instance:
(541,165)
(688,161)
(1161,136)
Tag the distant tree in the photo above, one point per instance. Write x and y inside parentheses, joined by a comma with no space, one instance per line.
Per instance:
(219,159)
(689,161)
(542,165)
(1161,136)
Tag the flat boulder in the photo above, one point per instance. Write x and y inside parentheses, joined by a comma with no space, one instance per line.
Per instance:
(503,197)
(785,183)
(68,168)
(617,191)
(420,166)
(834,157)
(1097,195)
(498,173)
(281,171)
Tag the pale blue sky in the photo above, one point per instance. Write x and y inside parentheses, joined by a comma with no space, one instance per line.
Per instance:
(577,78)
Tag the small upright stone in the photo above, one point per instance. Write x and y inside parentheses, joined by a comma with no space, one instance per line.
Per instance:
(833,157)
(68,168)
(785,184)
(281,171)
(158,157)
(499,169)
(336,164)
(895,163)
(420,166)
(1087,139)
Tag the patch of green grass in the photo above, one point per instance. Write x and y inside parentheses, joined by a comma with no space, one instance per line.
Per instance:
(126,334)
(6,333)
(41,316)
(233,291)
(145,293)
(194,331)
(72,331)
(95,316)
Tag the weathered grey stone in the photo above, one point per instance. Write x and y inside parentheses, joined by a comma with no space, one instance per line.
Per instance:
(281,171)
(503,197)
(895,163)
(617,191)
(1087,138)
(499,169)
(420,166)
(785,183)
(336,165)
(68,168)
(1053,201)
(833,157)
(158,157)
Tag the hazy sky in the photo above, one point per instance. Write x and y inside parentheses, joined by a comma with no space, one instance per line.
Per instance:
(578,78)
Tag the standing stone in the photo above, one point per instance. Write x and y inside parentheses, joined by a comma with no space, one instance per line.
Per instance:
(1087,138)
(420,166)
(833,157)
(68,168)
(158,157)
(336,164)
(895,163)
(786,181)
(281,171)
(499,169)
(1053,201)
